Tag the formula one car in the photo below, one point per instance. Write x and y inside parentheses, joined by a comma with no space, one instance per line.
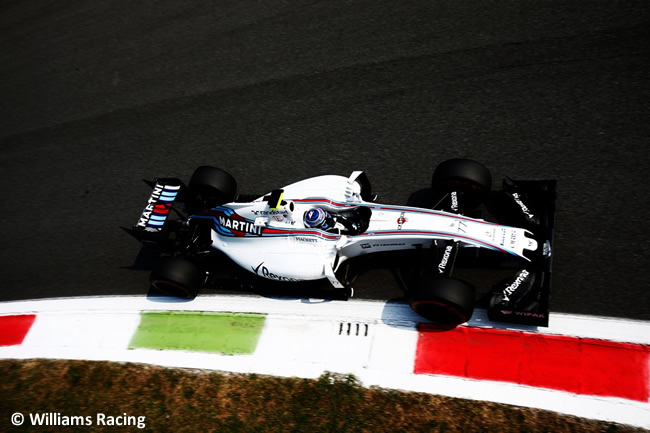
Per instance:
(330,228)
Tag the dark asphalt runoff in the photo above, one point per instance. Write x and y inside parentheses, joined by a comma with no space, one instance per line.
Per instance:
(95,96)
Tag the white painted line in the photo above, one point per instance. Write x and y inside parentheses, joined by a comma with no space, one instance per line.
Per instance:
(80,329)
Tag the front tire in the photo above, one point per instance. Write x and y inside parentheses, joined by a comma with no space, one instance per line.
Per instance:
(469,178)
(443,300)
(177,277)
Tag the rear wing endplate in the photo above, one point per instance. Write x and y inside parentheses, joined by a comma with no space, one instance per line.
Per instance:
(151,227)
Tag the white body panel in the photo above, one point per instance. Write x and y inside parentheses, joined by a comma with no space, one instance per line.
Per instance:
(275,244)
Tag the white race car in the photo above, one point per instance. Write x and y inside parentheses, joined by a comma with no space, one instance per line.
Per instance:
(317,228)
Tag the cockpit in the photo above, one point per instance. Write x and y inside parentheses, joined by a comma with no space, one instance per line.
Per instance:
(346,222)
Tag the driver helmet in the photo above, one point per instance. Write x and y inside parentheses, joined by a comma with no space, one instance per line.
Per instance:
(317,218)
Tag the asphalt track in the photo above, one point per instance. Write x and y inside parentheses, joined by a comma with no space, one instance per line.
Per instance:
(96,95)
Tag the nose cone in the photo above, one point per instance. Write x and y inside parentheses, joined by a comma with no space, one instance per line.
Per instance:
(531,243)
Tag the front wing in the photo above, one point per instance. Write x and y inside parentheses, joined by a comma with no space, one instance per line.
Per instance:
(524,298)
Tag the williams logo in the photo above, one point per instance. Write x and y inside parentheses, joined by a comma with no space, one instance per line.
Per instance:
(400,221)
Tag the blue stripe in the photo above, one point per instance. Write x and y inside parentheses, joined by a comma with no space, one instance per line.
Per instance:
(223,231)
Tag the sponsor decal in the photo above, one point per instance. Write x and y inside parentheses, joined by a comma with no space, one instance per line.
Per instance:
(303,239)
(239,227)
(523,314)
(454,201)
(366,246)
(388,245)
(263,271)
(158,206)
(270,212)
(512,288)
(502,241)
(530,314)
(445,259)
(523,207)
(146,213)
(513,239)
(277,215)
(400,221)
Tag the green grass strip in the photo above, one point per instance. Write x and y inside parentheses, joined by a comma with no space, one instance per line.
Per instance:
(225,333)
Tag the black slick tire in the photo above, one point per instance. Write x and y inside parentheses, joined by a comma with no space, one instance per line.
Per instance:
(468,177)
(177,277)
(213,186)
(443,300)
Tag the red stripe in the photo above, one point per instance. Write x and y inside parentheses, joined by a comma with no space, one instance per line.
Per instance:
(578,365)
(161,208)
(290,232)
(15,328)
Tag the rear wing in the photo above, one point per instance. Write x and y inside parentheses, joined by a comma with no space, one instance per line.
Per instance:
(525,297)
(151,228)
(159,205)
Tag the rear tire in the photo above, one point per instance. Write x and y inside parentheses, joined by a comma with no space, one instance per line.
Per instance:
(471,179)
(442,300)
(177,277)
(213,186)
